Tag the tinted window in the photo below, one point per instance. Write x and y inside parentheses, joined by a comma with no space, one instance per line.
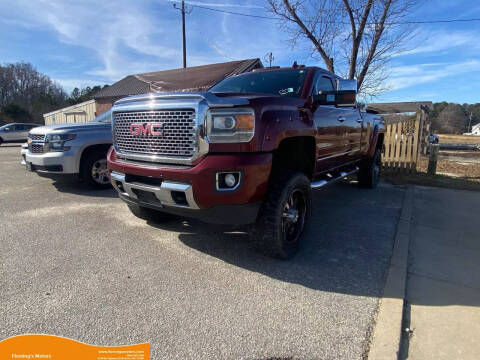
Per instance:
(281,82)
(19,127)
(324,84)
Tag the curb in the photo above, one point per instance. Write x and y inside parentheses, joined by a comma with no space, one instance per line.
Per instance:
(387,332)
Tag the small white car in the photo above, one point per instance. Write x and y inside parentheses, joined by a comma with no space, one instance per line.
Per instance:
(15,132)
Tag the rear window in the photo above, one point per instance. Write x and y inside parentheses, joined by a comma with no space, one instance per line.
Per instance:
(276,82)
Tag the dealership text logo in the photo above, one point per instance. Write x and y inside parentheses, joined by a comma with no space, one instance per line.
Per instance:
(154,129)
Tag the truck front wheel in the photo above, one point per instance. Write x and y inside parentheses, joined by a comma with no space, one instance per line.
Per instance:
(284,216)
(148,214)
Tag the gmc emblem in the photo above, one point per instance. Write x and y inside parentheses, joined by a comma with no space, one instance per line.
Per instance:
(154,129)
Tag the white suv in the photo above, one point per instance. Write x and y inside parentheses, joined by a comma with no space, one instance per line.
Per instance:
(76,150)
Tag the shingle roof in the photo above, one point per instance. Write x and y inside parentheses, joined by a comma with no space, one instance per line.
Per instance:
(188,79)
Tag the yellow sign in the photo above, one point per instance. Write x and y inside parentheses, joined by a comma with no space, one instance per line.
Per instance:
(60,348)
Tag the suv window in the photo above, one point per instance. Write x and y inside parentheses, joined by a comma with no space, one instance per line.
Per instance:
(19,127)
(323,84)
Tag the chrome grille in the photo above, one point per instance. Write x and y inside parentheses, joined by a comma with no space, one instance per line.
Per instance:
(178,137)
(36,137)
(35,148)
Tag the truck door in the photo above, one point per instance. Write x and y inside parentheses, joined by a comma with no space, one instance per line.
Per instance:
(353,125)
(328,121)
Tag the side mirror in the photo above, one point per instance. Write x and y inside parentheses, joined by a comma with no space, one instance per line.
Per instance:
(344,97)
(7,129)
(345,94)
(347,85)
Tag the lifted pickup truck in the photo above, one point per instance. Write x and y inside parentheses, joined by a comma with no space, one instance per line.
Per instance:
(250,150)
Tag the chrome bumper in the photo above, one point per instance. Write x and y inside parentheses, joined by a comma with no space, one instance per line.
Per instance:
(163,192)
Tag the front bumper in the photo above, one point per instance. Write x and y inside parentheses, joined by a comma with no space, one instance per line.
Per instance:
(197,186)
(58,162)
(23,154)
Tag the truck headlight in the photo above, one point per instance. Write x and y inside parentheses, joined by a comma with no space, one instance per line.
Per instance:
(230,125)
(56,142)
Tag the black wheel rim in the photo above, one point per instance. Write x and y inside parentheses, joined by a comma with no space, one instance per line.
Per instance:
(293,217)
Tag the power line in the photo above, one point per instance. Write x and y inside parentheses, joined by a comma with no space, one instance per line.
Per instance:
(346,23)
(234,12)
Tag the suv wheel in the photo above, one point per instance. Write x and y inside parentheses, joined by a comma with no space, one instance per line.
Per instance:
(284,216)
(369,174)
(94,170)
(148,214)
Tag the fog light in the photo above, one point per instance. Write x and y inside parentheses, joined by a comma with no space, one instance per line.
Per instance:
(230,180)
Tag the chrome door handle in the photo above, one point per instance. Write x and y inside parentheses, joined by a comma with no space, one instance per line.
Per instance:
(341,118)
(359,120)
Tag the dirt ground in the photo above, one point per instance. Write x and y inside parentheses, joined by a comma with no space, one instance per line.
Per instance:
(458,139)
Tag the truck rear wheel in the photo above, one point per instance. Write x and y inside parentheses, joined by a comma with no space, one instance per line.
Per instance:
(148,214)
(369,174)
(284,216)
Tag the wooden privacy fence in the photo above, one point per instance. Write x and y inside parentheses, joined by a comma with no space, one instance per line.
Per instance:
(405,136)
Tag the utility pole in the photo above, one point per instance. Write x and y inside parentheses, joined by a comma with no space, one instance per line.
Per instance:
(470,122)
(269,58)
(183,11)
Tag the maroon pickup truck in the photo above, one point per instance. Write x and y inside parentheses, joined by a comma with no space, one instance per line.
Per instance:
(248,151)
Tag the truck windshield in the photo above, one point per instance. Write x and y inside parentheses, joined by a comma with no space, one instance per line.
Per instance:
(276,82)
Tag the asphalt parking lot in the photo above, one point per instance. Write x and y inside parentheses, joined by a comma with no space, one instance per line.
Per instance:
(76,263)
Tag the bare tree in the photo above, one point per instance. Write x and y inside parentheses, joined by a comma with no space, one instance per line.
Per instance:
(355,38)
(24,87)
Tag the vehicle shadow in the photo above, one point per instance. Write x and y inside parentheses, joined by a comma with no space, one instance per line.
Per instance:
(80,188)
(347,247)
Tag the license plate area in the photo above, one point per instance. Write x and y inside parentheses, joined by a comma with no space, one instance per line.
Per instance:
(146,197)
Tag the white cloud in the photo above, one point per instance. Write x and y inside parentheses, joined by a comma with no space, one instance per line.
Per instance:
(114,31)
(411,75)
(428,41)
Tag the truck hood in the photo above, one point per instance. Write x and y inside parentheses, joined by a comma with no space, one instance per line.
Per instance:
(65,128)
(216,100)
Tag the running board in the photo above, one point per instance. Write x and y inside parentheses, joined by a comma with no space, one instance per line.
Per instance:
(321,183)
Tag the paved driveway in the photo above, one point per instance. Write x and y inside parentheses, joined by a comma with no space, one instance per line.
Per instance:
(76,263)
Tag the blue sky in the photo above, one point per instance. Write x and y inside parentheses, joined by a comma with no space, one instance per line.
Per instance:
(90,42)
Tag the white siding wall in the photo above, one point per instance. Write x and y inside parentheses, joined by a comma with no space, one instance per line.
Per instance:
(77,113)
(476,130)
